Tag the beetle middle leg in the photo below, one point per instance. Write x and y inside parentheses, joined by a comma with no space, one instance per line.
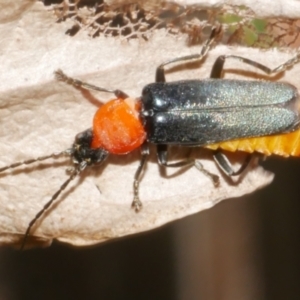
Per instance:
(160,71)
(162,157)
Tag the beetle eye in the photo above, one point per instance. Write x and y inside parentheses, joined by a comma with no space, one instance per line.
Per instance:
(84,137)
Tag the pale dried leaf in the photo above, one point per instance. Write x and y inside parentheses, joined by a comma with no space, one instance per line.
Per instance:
(262,8)
(39,116)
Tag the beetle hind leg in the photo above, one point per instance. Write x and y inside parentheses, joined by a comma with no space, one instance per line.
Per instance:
(226,167)
(218,66)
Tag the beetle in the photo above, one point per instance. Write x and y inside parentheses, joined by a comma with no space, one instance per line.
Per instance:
(214,113)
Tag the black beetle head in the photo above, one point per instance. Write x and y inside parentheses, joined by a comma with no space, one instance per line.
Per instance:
(81,152)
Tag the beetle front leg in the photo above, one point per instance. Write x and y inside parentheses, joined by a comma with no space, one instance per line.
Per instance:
(61,76)
(162,157)
(136,203)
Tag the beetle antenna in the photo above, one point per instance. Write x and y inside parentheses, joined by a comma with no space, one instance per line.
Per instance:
(74,173)
(33,160)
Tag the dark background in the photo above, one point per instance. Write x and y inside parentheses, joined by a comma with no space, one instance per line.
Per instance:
(246,248)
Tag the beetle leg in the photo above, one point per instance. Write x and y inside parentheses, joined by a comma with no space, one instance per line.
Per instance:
(217,68)
(225,165)
(162,157)
(61,76)
(136,203)
(160,71)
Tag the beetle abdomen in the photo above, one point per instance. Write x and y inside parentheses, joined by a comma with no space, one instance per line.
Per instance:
(284,145)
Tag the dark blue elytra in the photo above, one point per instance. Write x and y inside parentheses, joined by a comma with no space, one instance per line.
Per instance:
(202,112)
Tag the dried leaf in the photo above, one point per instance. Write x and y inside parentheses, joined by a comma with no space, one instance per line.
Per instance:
(39,116)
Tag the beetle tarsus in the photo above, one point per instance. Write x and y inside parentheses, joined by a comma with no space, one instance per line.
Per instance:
(215,178)
(136,204)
